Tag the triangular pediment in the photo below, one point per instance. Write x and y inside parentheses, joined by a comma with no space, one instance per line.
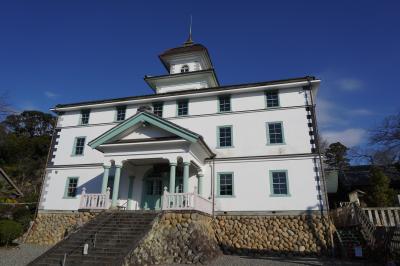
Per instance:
(144,126)
(145,131)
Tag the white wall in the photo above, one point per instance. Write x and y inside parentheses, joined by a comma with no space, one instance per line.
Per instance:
(56,180)
(250,133)
(197,106)
(252,186)
(248,119)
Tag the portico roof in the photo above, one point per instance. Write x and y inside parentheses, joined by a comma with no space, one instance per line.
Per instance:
(154,120)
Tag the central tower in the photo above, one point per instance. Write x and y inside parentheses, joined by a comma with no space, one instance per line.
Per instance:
(189,67)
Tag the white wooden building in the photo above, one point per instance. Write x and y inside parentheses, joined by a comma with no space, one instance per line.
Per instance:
(238,148)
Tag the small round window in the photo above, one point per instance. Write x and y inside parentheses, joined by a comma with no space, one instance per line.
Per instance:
(184,68)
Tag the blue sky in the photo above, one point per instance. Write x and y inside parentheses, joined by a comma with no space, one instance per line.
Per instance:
(68,51)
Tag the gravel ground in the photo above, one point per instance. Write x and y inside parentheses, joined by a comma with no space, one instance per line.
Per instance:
(230,260)
(24,253)
(20,255)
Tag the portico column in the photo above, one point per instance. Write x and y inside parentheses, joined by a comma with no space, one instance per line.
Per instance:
(105,179)
(186,177)
(200,177)
(172,171)
(116,185)
(130,193)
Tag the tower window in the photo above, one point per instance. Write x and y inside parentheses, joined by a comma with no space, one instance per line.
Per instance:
(184,69)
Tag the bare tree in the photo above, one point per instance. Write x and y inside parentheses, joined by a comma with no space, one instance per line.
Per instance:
(387,138)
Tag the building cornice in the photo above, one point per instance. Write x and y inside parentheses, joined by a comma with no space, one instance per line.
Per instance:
(277,84)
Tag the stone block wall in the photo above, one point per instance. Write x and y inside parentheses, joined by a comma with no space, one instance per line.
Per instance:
(50,228)
(193,237)
(177,237)
(291,235)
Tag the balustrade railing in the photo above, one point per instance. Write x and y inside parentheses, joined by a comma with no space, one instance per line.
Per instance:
(388,217)
(185,201)
(95,201)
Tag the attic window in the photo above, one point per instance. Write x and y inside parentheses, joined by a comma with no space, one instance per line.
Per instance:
(184,68)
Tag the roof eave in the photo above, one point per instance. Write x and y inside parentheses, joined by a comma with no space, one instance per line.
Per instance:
(150,80)
(88,104)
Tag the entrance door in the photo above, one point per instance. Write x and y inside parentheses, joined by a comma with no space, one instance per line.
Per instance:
(153,190)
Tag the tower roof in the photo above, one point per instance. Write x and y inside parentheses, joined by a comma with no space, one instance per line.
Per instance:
(185,49)
(194,47)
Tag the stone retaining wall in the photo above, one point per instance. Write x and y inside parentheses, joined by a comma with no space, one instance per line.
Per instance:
(177,237)
(292,235)
(193,237)
(49,228)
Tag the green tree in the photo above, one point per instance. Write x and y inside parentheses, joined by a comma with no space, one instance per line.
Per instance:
(30,123)
(336,155)
(380,193)
(24,145)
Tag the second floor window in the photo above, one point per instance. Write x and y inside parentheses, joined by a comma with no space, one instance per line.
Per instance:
(184,69)
(121,111)
(158,109)
(275,133)
(225,136)
(79,146)
(224,103)
(272,98)
(183,108)
(85,114)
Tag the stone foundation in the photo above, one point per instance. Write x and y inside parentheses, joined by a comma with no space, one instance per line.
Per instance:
(177,237)
(193,237)
(290,235)
(50,228)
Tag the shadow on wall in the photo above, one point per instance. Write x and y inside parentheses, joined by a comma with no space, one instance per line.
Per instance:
(276,235)
(92,186)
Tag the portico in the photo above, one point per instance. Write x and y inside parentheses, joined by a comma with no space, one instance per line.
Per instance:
(146,154)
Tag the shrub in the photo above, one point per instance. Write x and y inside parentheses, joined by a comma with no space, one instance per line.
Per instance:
(9,230)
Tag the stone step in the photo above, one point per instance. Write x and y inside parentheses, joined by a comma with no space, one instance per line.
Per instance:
(89,231)
(105,236)
(75,260)
(115,225)
(116,234)
(110,245)
(94,253)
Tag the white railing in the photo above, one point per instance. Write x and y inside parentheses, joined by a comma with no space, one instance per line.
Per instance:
(185,201)
(95,201)
(383,216)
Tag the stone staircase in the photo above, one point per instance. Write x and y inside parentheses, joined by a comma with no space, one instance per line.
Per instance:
(110,237)
(350,238)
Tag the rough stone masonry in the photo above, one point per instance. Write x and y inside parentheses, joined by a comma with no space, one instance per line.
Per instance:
(50,228)
(294,235)
(193,237)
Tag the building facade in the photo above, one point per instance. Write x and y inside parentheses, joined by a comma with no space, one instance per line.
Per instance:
(244,148)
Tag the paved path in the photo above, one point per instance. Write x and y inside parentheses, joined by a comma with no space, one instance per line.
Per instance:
(21,255)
